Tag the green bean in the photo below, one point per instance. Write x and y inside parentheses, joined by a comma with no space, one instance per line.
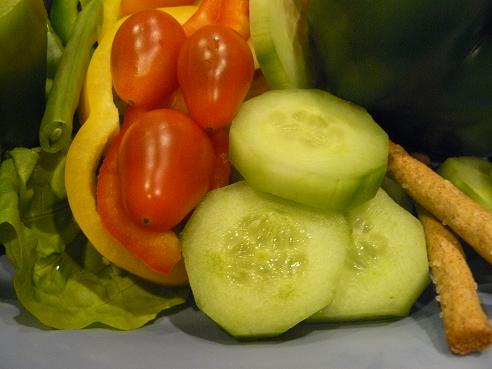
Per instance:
(54,50)
(53,54)
(55,132)
(63,15)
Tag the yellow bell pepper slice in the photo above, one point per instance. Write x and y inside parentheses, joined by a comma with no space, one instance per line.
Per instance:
(101,124)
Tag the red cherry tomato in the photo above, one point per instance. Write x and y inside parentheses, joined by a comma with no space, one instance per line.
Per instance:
(132,6)
(215,71)
(144,56)
(161,251)
(165,163)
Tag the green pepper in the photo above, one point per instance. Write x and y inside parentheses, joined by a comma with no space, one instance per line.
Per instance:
(455,118)
(396,57)
(22,71)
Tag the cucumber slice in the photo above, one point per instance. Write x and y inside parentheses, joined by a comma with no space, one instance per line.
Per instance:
(472,176)
(386,268)
(309,146)
(257,264)
(280,39)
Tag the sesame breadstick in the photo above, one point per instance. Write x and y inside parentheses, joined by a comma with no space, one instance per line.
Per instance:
(445,201)
(466,325)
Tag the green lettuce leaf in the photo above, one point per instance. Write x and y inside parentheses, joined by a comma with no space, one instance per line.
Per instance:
(60,278)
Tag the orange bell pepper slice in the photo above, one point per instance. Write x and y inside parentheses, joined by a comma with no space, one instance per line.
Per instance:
(230,13)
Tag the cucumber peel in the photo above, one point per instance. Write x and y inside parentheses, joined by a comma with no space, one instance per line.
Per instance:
(280,38)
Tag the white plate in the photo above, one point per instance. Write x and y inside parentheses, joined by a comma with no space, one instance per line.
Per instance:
(188,340)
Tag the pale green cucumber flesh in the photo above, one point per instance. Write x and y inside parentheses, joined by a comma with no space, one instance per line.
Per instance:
(386,269)
(472,176)
(280,38)
(257,264)
(309,146)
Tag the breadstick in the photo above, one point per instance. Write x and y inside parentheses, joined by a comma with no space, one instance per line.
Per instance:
(445,201)
(466,325)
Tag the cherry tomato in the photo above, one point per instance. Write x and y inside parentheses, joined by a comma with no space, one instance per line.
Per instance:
(144,56)
(132,6)
(165,166)
(161,251)
(215,71)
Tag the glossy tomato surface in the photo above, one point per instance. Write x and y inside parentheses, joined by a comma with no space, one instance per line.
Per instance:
(215,72)
(165,164)
(160,251)
(144,57)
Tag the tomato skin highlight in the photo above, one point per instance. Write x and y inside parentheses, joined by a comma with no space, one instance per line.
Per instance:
(144,57)
(215,72)
(161,251)
(128,7)
(165,164)
(219,138)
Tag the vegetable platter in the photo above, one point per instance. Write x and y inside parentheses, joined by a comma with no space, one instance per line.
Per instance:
(236,183)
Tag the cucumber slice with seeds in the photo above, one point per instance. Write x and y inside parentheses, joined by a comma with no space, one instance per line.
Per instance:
(309,146)
(257,264)
(386,268)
